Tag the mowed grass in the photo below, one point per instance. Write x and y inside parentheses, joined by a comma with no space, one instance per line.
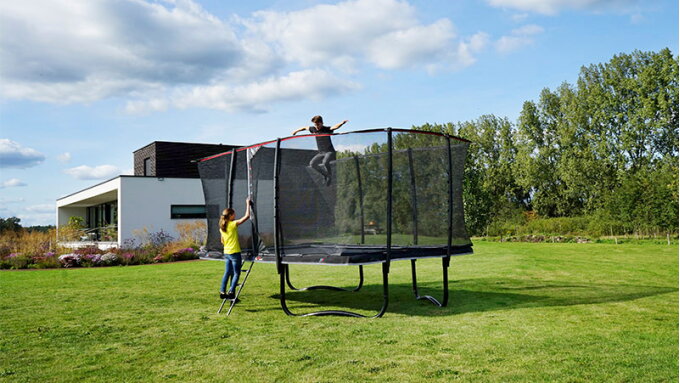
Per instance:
(518,312)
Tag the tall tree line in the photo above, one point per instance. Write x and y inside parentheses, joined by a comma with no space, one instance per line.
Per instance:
(605,148)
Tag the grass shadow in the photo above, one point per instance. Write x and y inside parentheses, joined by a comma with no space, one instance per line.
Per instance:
(471,295)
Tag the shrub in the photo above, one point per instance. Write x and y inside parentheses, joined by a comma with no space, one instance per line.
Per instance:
(192,233)
(560,225)
(46,261)
(88,250)
(28,243)
(16,261)
(23,249)
(153,242)
(109,259)
(89,260)
(185,254)
(128,258)
(70,260)
(73,230)
(110,233)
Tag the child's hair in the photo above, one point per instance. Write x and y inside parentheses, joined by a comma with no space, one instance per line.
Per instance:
(224,219)
(316,119)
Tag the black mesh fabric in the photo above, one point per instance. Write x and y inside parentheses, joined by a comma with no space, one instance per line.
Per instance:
(215,180)
(333,207)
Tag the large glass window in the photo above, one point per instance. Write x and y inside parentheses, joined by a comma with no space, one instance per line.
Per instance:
(102,221)
(187,211)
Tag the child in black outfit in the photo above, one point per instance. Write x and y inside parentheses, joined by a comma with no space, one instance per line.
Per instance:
(326,150)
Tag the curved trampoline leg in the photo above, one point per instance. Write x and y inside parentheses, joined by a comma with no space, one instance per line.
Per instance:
(322,287)
(445,273)
(283,280)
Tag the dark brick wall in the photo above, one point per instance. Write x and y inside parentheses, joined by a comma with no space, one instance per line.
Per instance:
(148,151)
(173,159)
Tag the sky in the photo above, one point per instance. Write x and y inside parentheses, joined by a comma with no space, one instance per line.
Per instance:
(84,83)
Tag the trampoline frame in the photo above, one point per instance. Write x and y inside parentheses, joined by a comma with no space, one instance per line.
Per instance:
(283,269)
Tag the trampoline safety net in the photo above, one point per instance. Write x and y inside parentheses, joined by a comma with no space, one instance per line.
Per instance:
(327,198)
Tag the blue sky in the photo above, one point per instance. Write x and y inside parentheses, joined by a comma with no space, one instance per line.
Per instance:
(85,83)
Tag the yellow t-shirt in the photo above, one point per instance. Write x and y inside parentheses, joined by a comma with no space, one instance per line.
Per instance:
(230,238)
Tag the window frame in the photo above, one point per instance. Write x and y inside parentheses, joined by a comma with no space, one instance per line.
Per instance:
(180,215)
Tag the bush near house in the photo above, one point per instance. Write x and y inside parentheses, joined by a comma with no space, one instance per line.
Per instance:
(23,249)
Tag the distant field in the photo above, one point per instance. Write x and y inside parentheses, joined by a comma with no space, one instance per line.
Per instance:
(518,312)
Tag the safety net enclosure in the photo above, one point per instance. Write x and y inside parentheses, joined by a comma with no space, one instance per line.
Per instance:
(353,198)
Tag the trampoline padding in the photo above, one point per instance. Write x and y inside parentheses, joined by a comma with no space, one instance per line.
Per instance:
(355,255)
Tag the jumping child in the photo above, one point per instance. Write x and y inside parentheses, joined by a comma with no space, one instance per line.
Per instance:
(320,162)
(232,249)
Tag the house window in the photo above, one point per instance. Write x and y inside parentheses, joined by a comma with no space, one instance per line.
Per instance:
(187,211)
(147,166)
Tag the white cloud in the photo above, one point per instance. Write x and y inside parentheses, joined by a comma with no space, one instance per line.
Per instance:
(313,83)
(637,18)
(519,17)
(518,38)
(64,157)
(14,155)
(158,55)
(412,46)
(83,51)
(551,7)
(85,172)
(383,33)
(468,47)
(44,208)
(11,183)
(36,219)
(12,200)
(354,148)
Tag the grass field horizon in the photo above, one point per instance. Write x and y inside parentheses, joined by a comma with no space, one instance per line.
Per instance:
(517,312)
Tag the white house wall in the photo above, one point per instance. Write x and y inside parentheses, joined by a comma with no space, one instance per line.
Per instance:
(144,203)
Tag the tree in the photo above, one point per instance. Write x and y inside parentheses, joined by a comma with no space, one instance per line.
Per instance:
(10,224)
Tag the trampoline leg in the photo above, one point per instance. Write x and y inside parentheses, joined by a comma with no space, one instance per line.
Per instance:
(283,279)
(322,287)
(445,299)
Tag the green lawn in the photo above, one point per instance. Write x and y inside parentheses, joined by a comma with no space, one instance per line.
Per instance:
(518,312)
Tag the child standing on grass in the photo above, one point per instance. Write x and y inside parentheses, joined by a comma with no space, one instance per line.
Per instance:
(232,249)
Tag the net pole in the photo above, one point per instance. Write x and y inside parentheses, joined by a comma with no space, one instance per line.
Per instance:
(232,176)
(250,153)
(450,199)
(414,199)
(388,254)
(446,261)
(361,199)
(277,237)
(249,169)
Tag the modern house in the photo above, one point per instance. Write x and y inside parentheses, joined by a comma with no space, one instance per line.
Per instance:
(164,190)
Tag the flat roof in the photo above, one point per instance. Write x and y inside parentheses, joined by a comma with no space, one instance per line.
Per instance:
(120,176)
(183,143)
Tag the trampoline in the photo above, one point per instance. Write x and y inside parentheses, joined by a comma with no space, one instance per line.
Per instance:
(382,195)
